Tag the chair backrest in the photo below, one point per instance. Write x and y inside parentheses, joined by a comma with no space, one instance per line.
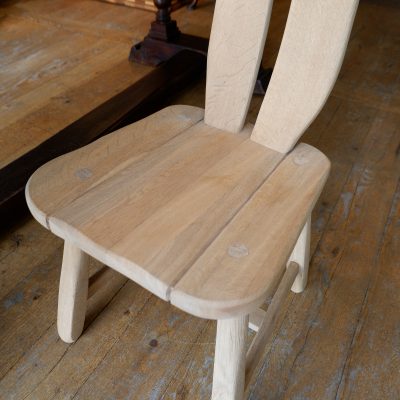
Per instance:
(237,41)
(308,62)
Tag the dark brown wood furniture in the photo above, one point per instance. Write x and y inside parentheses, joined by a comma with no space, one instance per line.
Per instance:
(165,39)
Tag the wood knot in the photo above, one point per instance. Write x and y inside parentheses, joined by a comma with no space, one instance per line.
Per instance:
(301,159)
(83,174)
(238,250)
(153,343)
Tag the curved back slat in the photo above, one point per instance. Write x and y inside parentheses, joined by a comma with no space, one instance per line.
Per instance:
(309,60)
(236,46)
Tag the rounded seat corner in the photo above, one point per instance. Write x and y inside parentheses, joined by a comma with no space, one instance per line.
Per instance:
(217,309)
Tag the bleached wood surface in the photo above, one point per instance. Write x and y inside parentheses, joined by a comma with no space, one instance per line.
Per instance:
(157,211)
(308,63)
(234,55)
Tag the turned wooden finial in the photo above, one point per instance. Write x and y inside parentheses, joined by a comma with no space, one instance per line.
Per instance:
(164,28)
(163,10)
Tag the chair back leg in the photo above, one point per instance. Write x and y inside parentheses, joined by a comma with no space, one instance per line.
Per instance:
(73,292)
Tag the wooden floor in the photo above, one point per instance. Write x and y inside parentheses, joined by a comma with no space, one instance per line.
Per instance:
(340,339)
(59,59)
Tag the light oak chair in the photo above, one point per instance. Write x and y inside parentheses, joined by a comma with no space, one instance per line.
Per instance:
(202,210)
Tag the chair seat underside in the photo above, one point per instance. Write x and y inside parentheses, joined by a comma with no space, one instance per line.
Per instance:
(202,218)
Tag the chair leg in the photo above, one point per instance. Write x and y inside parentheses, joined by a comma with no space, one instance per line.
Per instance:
(301,255)
(230,359)
(72,295)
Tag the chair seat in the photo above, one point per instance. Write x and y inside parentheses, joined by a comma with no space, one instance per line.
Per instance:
(203,218)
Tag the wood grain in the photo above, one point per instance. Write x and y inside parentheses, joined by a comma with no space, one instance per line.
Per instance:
(234,55)
(238,270)
(256,350)
(159,182)
(230,359)
(72,293)
(344,264)
(358,130)
(156,239)
(301,256)
(311,54)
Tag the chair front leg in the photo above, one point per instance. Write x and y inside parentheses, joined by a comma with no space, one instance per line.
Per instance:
(301,256)
(230,359)
(73,291)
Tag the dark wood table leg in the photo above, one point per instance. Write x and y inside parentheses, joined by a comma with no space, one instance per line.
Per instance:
(165,39)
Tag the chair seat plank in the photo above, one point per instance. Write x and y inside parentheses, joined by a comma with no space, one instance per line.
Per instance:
(256,318)
(67,177)
(243,264)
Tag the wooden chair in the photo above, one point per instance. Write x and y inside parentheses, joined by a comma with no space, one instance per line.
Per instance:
(204,212)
